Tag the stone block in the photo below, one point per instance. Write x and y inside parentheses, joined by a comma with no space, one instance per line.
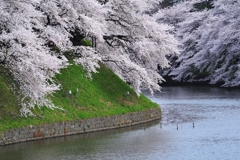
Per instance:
(38,133)
(2,137)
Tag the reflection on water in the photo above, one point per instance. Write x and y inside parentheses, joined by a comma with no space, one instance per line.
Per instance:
(215,135)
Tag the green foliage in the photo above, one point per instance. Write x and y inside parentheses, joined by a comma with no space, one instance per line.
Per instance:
(103,96)
(56,49)
(86,42)
(201,74)
(233,73)
(203,5)
(198,74)
(69,55)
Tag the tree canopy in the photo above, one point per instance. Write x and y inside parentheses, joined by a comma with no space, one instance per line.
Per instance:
(209,33)
(38,36)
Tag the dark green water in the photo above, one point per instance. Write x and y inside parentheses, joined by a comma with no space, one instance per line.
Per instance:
(215,113)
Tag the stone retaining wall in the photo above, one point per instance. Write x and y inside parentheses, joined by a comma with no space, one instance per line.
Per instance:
(77,127)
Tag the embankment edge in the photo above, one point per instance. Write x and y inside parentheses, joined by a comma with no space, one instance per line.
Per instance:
(44,131)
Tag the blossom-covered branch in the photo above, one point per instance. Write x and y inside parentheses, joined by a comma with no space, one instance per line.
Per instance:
(37,36)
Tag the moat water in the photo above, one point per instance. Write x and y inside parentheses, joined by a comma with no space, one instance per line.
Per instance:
(198,123)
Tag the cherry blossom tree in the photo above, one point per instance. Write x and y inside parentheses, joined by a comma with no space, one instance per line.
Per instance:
(37,37)
(24,55)
(137,44)
(209,33)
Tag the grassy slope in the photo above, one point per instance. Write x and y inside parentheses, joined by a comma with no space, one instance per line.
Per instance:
(103,96)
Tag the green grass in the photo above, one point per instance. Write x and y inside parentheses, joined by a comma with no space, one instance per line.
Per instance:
(104,95)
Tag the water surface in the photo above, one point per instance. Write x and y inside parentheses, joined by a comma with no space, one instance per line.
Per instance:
(198,123)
